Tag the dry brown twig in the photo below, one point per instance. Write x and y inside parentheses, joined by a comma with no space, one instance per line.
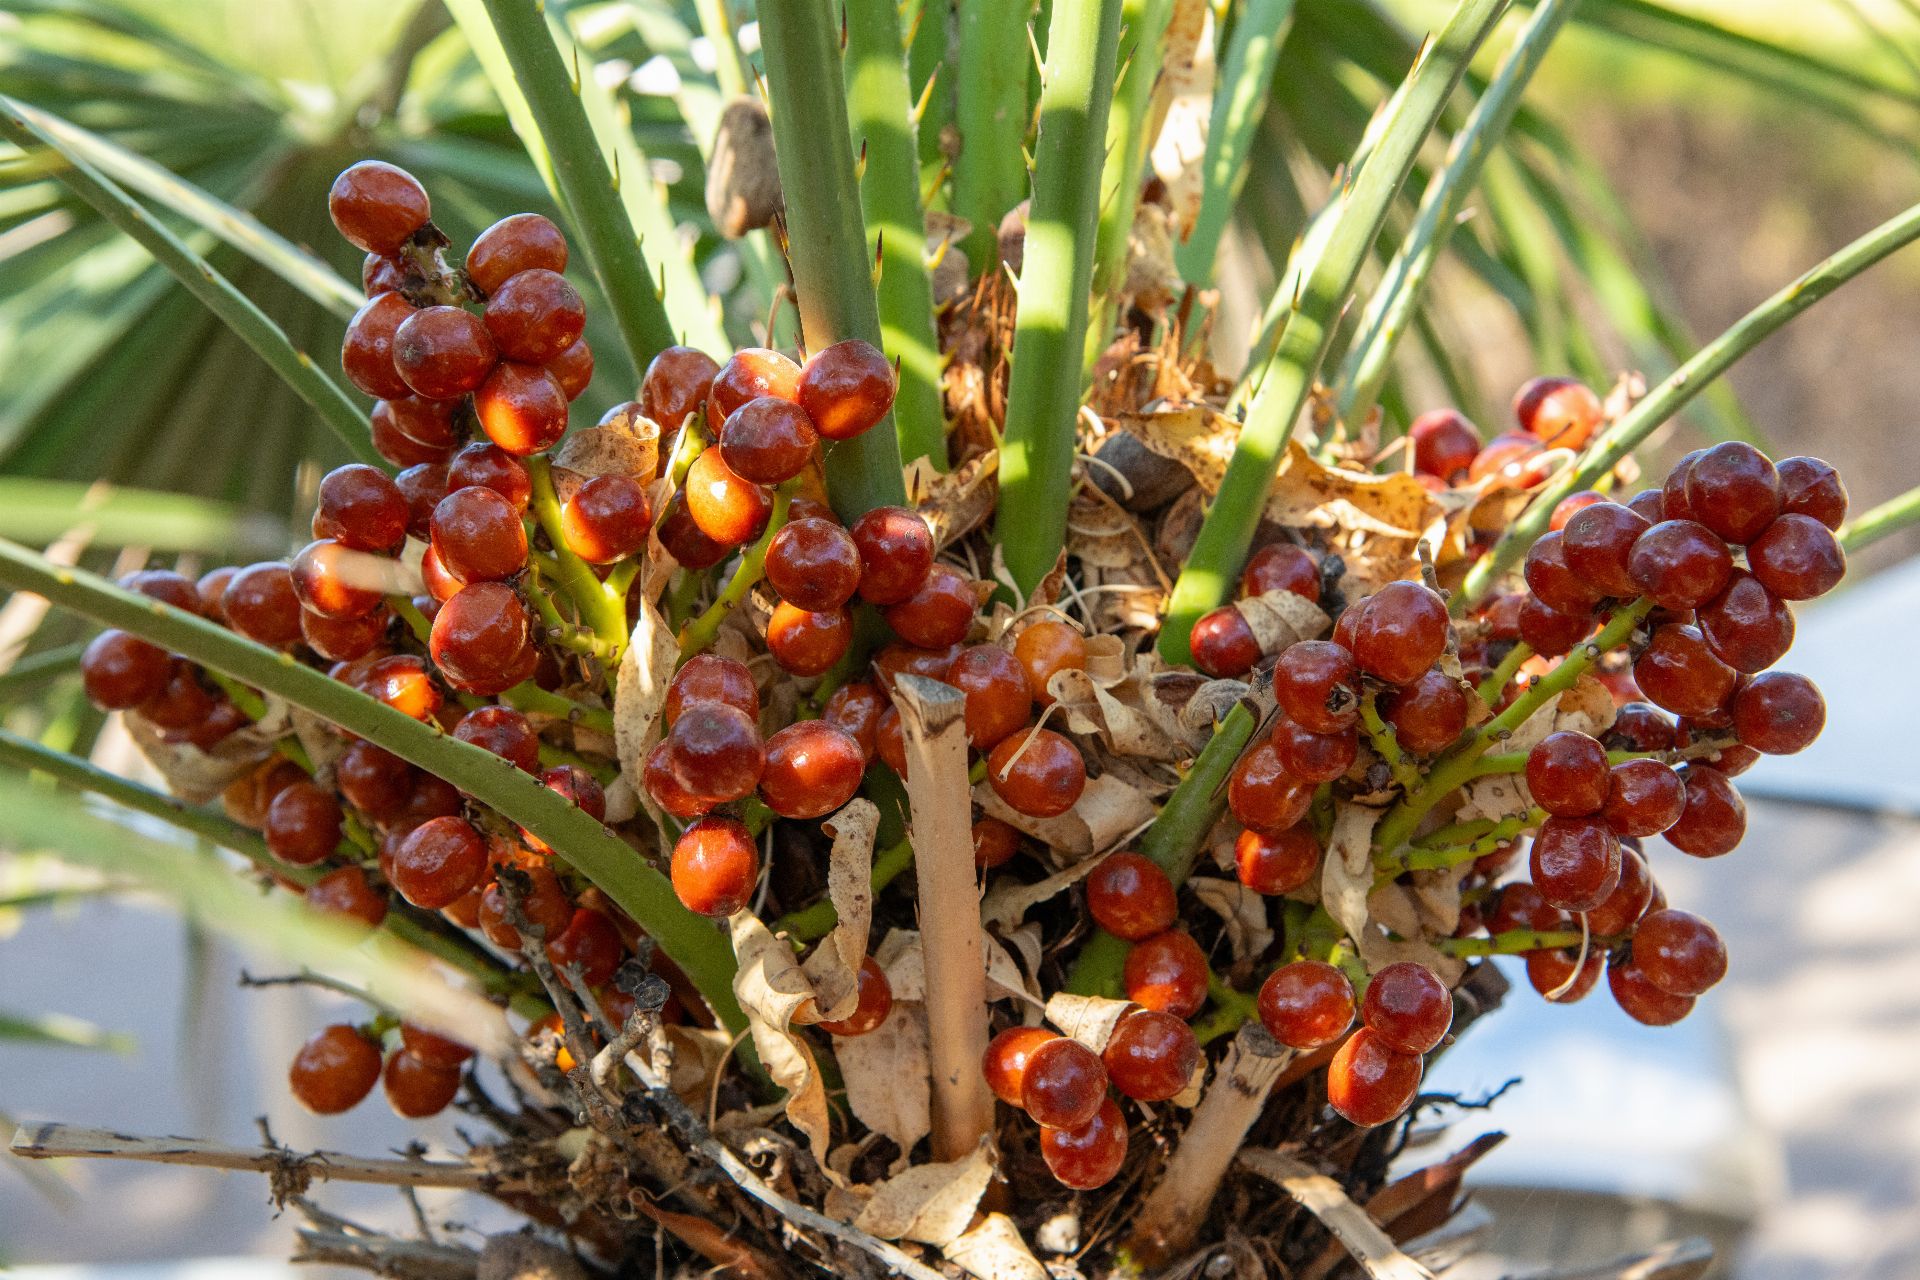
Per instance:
(50,1141)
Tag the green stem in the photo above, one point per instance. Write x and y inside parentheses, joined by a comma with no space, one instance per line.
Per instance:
(249,702)
(410,614)
(1231,1009)
(699,633)
(1888,518)
(1386,743)
(1497,680)
(605,617)
(558,630)
(1313,318)
(643,893)
(1428,857)
(826,232)
(817,920)
(880,112)
(1143,26)
(1516,761)
(1043,390)
(531,697)
(39,511)
(1680,387)
(990,104)
(233,308)
(1514,942)
(683,595)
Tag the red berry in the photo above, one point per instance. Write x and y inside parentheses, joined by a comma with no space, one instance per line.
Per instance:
(1567,774)
(480,637)
(415,1088)
(1809,487)
(1317,685)
(806,643)
(1407,1007)
(896,555)
(666,791)
(994,843)
(1562,413)
(374,781)
(1045,647)
(260,604)
(488,466)
(769,440)
(1598,544)
(726,507)
(1778,713)
(1065,1083)
(896,660)
(334,1069)
(121,671)
(338,582)
(1037,772)
(1314,757)
(1680,564)
(1444,444)
(1131,897)
(303,825)
(439,862)
(534,315)
(1090,1156)
(367,352)
(1281,566)
(1167,972)
(345,894)
(1369,1082)
(1550,633)
(1263,795)
(683,540)
(443,353)
(606,519)
(715,750)
(477,535)
(876,1002)
(377,206)
(812,769)
(1521,906)
(183,703)
(1733,490)
(998,700)
(573,369)
(1223,644)
(1797,558)
(813,564)
(855,710)
(402,682)
(1005,1062)
(1715,817)
(1572,505)
(1678,952)
(1151,1056)
(1506,462)
(1629,899)
(360,507)
(380,274)
(1427,715)
(1677,670)
(1640,999)
(749,373)
(676,385)
(1552,973)
(938,613)
(520,242)
(422,485)
(1554,582)
(847,388)
(1649,505)
(1644,798)
(1276,863)
(1639,727)
(1306,1004)
(590,943)
(521,407)
(1401,632)
(1575,863)
(503,731)
(1747,626)
(430,1047)
(708,677)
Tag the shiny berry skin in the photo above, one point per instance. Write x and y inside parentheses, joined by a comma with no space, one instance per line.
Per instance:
(1572,505)
(1747,626)
(847,388)
(1553,581)
(1678,952)
(303,825)
(438,862)
(374,781)
(1407,1007)
(1369,1082)
(812,769)
(1223,644)
(520,242)
(715,866)
(715,750)
(1428,714)
(1567,774)
(367,351)
(896,660)
(1649,505)
(889,741)
(361,508)
(443,353)
(1167,972)
(1281,566)
(422,486)
(1004,1064)
(479,637)
(1598,543)
(813,564)
(1131,897)
(345,894)
(938,613)
(1064,1084)
(477,535)
(260,604)
(246,799)
(121,671)
(1778,713)
(1550,633)
(1549,972)
(676,385)
(994,843)
(573,369)
(521,407)
(896,555)
(1797,558)
(381,274)
(1521,906)
(535,315)
(606,519)
(1678,671)
(543,902)
(726,507)
(1045,780)
(1629,899)
(998,700)
(1276,863)
(806,643)
(488,466)
(1643,1001)
(1090,1156)
(1314,757)
(1680,564)
(1644,798)
(1673,490)
(749,373)
(590,943)
(1637,726)
(377,206)
(183,703)
(416,1089)
(1263,795)
(1151,1056)
(504,732)
(1444,444)
(1402,630)
(683,539)
(1317,685)
(1733,490)
(1306,1004)
(432,1048)
(665,790)
(876,1002)
(769,440)
(337,581)
(1809,487)
(855,709)
(402,682)
(1562,413)
(426,423)
(708,677)
(1045,647)
(1505,461)
(334,1070)
(1575,862)
(211,586)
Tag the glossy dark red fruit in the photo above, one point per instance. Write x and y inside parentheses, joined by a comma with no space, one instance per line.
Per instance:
(416,1088)
(1369,1082)
(487,465)
(1747,626)
(366,353)
(1678,952)
(813,564)
(1567,774)
(1167,972)
(503,731)
(1629,899)
(875,1003)
(1045,647)
(374,781)
(1562,413)
(1549,632)
(812,769)
(521,407)
(334,1070)
(683,540)
(477,535)
(1131,897)
(1037,772)
(1306,1004)
(1560,976)
(439,862)
(1680,672)
(939,612)
(994,843)
(1444,444)
(1090,1156)
(1281,566)
(807,643)
(998,700)
(303,824)
(1715,817)
(1778,713)
(715,750)
(896,554)
(1427,715)
(676,385)
(1065,1083)
(121,671)
(1314,757)
(726,507)
(1643,1001)
(1263,795)
(1733,490)
(480,638)
(847,388)
(423,486)
(1402,630)
(1797,558)
(345,894)
(1575,862)
(543,903)
(590,943)
(361,508)
(1680,564)
(260,604)
(337,581)
(377,206)
(573,369)
(535,315)
(1810,487)
(749,373)
(1151,1056)
(1644,798)
(1005,1062)
(606,519)
(1554,582)
(403,682)
(1276,863)
(443,353)
(1407,1007)
(1223,645)
(519,242)
(769,440)
(1598,544)
(708,677)
(1317,685)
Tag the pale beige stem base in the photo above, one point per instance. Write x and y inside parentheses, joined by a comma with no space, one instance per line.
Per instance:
(48,1141)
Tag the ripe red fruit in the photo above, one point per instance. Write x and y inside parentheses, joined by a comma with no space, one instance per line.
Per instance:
(590,943)
(1151,1056)
(1644,798)
(377,206)
(1045,647)
(896,660)
(998,700)
(367,351)
(480,638)
(503,731)
(344,639)
(749,373)
(1037,772)
(875,1003)
(1562,413)
(1678,952)
(1572,505)
(1369,1082)
(1598,544)
(338,582)
(1677,670)
(847,388)
(430,1047)
(1521,906)
(402,682)
(573,369)
(1797,558)
(1428,714)
(1281,566)
(488,466)
(543,903)
(1131,897)
(1809,487)
(443,353)
(519,242)
(1649,505)
(1167,972)
(1306,1004)
(1680,564)
(1065,1083)
(1314,757)
(708,677)
(535,315)
(1554,582)
(994,843)
(726,507)
(521,407)
(345,894)
(714,750)
(380,273)
(1778,713)
(937,613)
(683,539)
(1223,644)
(807,643)
(1552,973)
(606,519)
(1575,862)
(1278,862)
(303,824)
(1715,817)
(1629,899)
(334,1069)
(769,440)
(374,781)
(1550,633)
(477,535)
(360,507)
(439,862)
(422,486)
(812,769)
(1401,632)
(896,554)
(1643,1001)
(676,384)
(1005,1062)
(1506,462)
(1747,626)
(121,671)
(1407,1007)
(1444,444)
(1639,727)
(1090,1156)
(1317,685)
(1733,490)
(855,709)
(1673,490)
(666,791)
(1263,795)
(1567,774)
(260,604)
(427,424)
(813,564)
(415,1088)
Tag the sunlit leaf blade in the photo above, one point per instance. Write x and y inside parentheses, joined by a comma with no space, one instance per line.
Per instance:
(58,1030)
(39,511)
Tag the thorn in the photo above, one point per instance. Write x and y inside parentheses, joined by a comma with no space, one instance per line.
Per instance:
(1039,63)
(843,30)
(939,255)
(913,30)
(576,71)
(860,163)
(616,171)
(919,111)
(879,247)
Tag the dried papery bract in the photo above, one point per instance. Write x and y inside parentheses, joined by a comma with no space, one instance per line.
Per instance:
(933,722)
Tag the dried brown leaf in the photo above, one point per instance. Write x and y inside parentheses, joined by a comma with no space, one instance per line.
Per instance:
(994,1250)
(834,967)
(1088,1019)
(933,1203)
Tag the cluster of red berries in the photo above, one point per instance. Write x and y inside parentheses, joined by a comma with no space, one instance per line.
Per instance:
(339,1064)
(1405,1012)
(1553,415)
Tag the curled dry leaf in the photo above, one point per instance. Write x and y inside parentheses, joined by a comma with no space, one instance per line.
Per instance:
(995,1250)
(645,670)
(1088,1019)
(1184,97)
(1280,618)
(834,967)
(771,989)
(932,1203)
(1107,811)
(954,503)
(1243,910)
(611,451)
(1008,900)
(194,775)
(886,1070)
